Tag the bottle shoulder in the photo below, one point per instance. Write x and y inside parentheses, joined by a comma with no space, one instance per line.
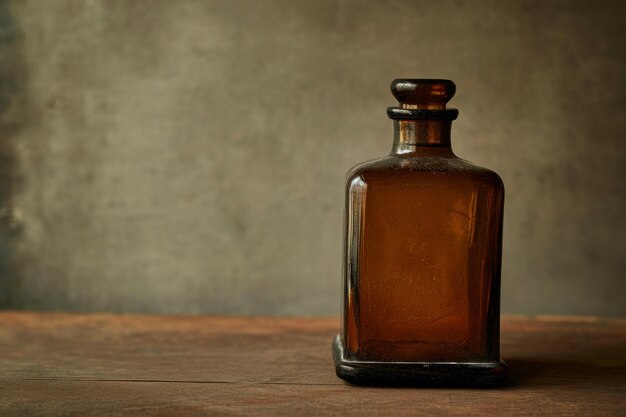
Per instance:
(421,167)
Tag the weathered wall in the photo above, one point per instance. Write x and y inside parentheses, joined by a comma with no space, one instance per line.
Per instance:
(189,156)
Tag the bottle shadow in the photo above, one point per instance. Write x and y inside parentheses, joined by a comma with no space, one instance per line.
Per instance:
(567,372)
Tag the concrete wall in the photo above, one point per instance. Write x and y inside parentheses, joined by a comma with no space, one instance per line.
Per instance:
(189,156)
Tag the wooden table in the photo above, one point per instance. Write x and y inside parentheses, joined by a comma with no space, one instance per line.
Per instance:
(121,365)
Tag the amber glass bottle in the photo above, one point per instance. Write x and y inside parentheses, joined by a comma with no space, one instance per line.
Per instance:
(423,233)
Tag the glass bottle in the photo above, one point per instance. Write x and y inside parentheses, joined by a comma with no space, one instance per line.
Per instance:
(423,233)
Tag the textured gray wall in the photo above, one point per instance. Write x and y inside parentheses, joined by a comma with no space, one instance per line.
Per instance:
(189,156)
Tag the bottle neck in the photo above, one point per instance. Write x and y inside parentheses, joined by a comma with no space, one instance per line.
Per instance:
(418,136)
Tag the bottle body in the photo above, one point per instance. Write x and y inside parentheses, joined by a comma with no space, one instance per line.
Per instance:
(422,255)
(422,259)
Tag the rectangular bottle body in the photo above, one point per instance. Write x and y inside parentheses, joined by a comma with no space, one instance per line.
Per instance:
(422,264)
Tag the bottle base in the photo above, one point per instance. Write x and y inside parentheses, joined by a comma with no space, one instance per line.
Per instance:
(457,374)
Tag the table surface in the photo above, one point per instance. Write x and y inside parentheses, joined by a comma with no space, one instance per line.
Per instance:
(57,364)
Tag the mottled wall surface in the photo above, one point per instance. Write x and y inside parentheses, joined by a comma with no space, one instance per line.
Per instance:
(189,156)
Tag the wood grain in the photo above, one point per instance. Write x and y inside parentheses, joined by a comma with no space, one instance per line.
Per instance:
(101,364)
